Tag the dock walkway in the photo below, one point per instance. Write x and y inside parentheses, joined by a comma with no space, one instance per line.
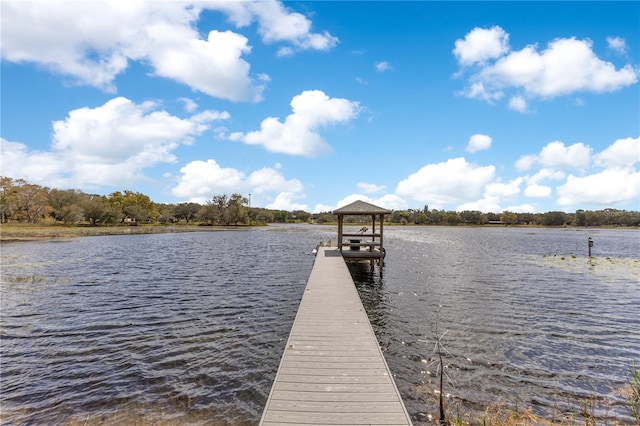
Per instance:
(332,370)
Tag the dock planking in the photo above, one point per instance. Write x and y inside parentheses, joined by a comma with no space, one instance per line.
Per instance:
(332,371)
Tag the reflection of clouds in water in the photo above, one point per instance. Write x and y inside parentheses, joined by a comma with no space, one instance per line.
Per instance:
(607,268)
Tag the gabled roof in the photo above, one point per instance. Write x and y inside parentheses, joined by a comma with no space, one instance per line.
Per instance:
(360,207)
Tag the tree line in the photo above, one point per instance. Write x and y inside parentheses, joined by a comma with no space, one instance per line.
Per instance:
(425,216)
(23,202)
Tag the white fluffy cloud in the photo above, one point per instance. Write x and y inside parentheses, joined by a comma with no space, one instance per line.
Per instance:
(495,193)
(43,168)
(556,156)
(565,66)
(479,142)
(618,44)
(93,42)
(604,189)
(276,23)
(623,153)
(370,188)
(481,44)
(452,182)
(617,182)
(201,180)
(538,191)
(299,133)
(108,145)
(382,66)
(387,201)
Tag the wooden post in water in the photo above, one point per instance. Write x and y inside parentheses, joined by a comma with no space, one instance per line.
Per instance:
(590,242)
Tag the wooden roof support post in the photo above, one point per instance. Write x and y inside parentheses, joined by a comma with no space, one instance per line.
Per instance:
(340,218)
(381,233)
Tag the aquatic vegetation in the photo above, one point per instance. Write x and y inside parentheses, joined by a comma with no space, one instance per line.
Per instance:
(610,268)
(634,391)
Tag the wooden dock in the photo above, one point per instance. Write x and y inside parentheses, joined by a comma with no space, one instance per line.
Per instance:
(332,371)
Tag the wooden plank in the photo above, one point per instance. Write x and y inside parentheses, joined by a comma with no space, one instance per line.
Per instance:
(335,396)
(337,406)
(339,388)
(311,418)
(333,379)
(332,370)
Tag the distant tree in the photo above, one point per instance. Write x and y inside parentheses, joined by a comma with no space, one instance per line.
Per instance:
(66,205)
(98,210)
(473,217)
(436,216)
(301,215)
(452,218)
(280,216)
(261,215)
(236,211)
(218,205)
(509,218)
(32,201)
(421,219)
(134,206)
(8,198)
(555,218)
(187,211)
(526,218)
(207,213)
(325,217)
(167,213)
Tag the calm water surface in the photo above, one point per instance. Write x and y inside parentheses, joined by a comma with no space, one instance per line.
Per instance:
(189,328)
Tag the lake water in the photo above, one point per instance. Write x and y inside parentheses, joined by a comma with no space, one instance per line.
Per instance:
(189,328)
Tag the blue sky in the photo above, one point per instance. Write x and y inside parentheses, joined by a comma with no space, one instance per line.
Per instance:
(491,106)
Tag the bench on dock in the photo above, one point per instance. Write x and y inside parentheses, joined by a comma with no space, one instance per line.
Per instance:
(364,244)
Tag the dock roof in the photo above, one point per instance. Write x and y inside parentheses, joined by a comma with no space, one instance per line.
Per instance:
(361,207)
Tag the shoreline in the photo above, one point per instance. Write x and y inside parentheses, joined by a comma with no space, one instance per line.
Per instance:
(22,233)
(19,232)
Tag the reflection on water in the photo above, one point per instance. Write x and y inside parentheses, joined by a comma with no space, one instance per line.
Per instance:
(177,328)
(518,323)
(190,328)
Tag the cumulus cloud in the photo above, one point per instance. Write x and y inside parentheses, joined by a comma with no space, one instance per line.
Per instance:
(503,190)
(481,44)
(518,103)
(38,167)
(108,145)
(452,182)
(276,23)
(478,142)
(382,66)
(522,208)
(566,66)
(525,162)
(605,189)
(387,201)
(617,44)
(616,182)
(623,153)
(495,193)
(556,156)
(189,104)
(538,191)
(299,133)
(201,180)
(545,174)
(287,201)
(93,42)
(370,188)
